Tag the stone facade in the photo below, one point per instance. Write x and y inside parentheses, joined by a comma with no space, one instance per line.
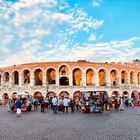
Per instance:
(69,77)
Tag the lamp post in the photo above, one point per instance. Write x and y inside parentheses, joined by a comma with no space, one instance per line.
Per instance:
(47,88)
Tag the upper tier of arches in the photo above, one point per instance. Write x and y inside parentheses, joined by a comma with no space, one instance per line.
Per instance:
(76,74)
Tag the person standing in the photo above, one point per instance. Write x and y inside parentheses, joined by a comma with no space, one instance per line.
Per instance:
(18,107)
(42,103)
(55,104)
(66,104)
(72,105)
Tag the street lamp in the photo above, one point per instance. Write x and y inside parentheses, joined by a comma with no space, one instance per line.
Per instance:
(47,88)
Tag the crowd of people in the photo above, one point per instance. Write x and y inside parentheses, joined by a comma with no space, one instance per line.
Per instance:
(95,103)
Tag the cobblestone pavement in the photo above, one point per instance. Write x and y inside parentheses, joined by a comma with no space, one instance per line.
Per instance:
(124,125)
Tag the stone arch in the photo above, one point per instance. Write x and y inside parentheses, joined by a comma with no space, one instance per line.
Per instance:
(51,76)
(77,77)
(115,94)
(38,95)
(51,94)
(64,94)
(64,81)
(125,94)
(6,77)
(14,95)
(89,77)
(77,94)
(132,77)
(26,76)
(38,77)
(15,77)
(5,98)
(124,77)
(63,71)
(102,77)
(136,98)
(114,77)
(138,78)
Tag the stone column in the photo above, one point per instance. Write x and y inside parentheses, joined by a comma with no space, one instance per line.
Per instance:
(108,81)
(20,79)
(44,79)
(57,78)
(10,80)
(119,79)
(83,79)
(96,79)
(135,79)
(2,80)
(70,78)
(32,79)
(128,79)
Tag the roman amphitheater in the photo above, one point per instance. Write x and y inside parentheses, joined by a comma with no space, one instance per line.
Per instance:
(70,79)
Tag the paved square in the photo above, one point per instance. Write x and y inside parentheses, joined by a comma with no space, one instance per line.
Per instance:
(123,125)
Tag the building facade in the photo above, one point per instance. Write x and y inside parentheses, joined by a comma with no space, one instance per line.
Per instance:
(70,79)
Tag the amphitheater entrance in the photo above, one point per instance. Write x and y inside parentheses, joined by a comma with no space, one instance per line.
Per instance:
(5,98)
(64,94)
(136,98)
(64,81)
(77,94)
(115,94)
(38,95)
(125,95)
(51,94)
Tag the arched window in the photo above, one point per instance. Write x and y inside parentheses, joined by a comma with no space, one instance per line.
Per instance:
(38,77)
(132,77)
(26,77)
(64,81)
(89,77)
(6,77)
(138,77)
(77,77)
(51,76)
(102,77)
(124,78)
(16,78)
(113,77)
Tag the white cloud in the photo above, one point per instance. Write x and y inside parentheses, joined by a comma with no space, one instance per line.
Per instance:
(92,37)
(97,3)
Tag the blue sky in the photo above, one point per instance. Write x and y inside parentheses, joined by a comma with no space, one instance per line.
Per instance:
(69,30)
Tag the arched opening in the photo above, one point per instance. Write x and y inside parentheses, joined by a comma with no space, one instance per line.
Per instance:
(136,98)
(115,94)
(16,77)
(51,94)
(138,78)
(6,77)
(124,77)
(38,95)
(38,77)
(77,94)
(125,95)
(77,77)
(14,95)
(102,77)
(63,71)
(89,77)
(64,94)
(113,77)
(5,98)
(64,81)
(26,76)
(51,76)
(132,77)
